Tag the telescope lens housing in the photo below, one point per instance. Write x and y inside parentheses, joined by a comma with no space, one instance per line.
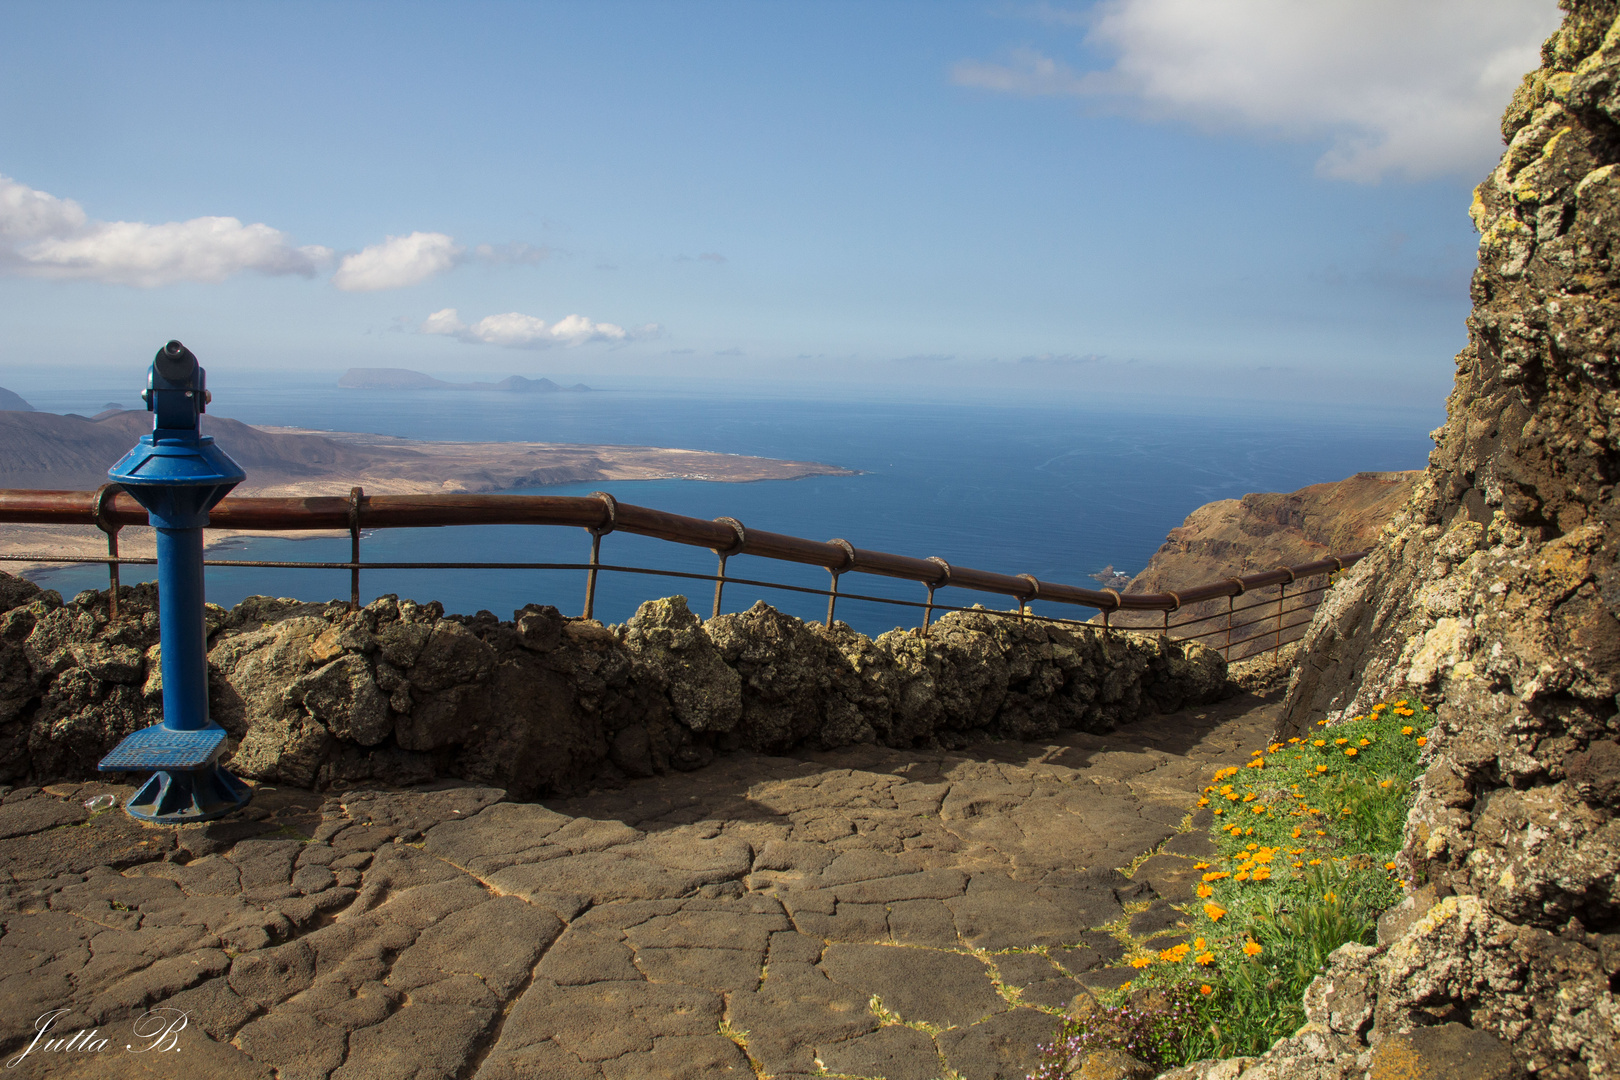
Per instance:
(176,363)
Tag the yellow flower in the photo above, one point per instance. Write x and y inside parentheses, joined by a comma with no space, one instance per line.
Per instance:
(1175,954)
(1203,802)
(1316,862)
(1249,797)
(1366,742)
(1296,834)
(1252,847)
(1321,832)
(1274,747)
(1321,768)
(1292,741)
(1330,897)
(1200,866)
(1214,911)
(1340,742)
(1241,875)
(1205,959)
(1321,723)
(1216,875)
(1255,753)
(1248,832)
(1234,796)
(1401,703)
(1319,742)
(1350,752)
(1261,874)
(1252,948)
(1198,943)
(1406,730)
(1380,707)
(1205,892)
(1141,962)
(1218,810)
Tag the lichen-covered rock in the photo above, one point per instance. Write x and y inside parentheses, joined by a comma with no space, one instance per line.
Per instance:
(399,693)
(1495,596)
(671,644)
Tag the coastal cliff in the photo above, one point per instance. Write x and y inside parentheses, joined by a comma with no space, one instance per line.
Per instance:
(1266,530)
(1494,595)
(1261,532)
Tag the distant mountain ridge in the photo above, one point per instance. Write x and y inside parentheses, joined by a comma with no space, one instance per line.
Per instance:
(381,378)
(10,402)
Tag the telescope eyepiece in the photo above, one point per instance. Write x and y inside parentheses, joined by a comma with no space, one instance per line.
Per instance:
(175,363)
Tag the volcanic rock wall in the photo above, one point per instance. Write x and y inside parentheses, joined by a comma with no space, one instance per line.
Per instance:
(398,693)
(1496,596)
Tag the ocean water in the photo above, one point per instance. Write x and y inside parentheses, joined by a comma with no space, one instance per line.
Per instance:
(1058,490)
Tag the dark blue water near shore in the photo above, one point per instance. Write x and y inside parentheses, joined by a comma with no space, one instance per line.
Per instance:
(1054,490)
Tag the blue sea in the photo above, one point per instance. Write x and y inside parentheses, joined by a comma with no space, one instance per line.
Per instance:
(1054,489)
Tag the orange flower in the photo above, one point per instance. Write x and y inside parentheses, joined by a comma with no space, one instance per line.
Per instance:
(1350,752)
(1421,741)
(1214,911)
(1216,875)
(1198,943)
(1316,862)
(1204,891)
(1321,768)
(1386,783)
(1200,866)
(1252,948)
(1141,962)
(1389,866)
(1205,988)
(1204,959)
(1406,731)
(1340,742)
(1319,742)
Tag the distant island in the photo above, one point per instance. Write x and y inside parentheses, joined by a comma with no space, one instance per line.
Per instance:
(391,378)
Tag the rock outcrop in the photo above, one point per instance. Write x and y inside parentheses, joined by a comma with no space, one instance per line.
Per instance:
(316,695)
(1270,529)
(1495,595)
(1261,532)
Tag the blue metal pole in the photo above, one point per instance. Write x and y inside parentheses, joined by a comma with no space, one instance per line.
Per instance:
(180,622)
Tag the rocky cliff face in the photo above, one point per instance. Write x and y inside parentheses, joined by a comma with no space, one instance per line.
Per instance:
(1262,532)
(1267,530)
(1495,595)
(315,695)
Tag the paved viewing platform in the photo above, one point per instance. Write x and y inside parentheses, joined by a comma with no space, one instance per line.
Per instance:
(863,913)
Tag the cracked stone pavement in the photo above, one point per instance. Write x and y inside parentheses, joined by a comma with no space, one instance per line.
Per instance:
(862,913)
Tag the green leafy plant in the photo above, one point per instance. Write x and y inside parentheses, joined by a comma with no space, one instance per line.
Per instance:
(1307,834)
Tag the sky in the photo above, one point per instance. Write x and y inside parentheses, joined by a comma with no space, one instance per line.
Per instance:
(1196,198)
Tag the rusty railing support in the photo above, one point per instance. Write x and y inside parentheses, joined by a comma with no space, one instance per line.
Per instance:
(99,508)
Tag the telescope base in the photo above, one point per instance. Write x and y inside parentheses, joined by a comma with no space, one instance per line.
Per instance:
(180,797)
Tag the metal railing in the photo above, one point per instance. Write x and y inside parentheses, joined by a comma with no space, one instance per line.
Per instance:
(600,514)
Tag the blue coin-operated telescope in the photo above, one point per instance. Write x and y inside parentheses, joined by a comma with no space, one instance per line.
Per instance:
(178,475)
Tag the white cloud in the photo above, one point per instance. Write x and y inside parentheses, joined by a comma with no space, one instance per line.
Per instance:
(517,331)
(44,236)
(397,262)
(1398,88)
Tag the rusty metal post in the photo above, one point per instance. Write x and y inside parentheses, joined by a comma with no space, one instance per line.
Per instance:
(597,532)
(1282,591)
(742,542)
(1226,651)
(355,495)
(849,561)
(99,508)
(590,575)
(719,585)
